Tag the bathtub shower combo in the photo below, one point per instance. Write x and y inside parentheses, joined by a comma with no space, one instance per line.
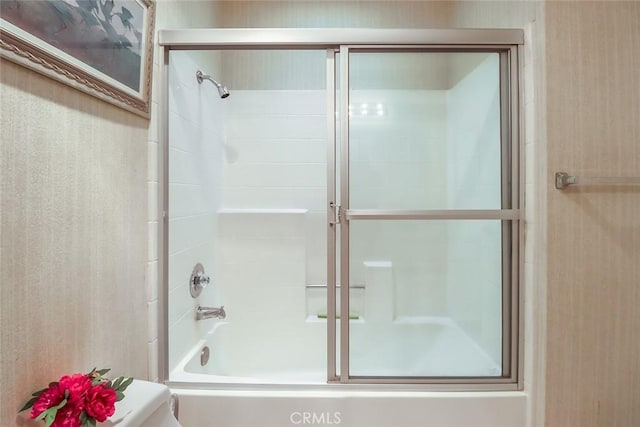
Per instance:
(350,200)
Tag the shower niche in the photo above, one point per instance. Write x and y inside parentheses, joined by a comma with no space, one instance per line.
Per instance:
(359,205)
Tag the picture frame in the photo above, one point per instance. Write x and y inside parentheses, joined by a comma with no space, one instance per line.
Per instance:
(102,47)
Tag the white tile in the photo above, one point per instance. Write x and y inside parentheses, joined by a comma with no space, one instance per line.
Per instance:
(190,232)
(313,199)
(529,122)
(529,85)
(231,276)
(183,167)
(155,122)
(152,162)
(274,127)
(187,200)
(530,204)
(152,281)
(152,249)
(156,84)
(152,360)
(276,175)
(256,224)
(530,163)
(276,251)
(182,134)
(279,102)
(152,317)
(153,207)
(181,264)
(180,303)
(184,334)
(278,151)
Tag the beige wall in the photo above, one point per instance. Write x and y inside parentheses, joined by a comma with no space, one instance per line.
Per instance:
(345,14)
(593,345)
(73,236)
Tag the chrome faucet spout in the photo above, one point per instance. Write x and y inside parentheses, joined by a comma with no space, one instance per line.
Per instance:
(203,313)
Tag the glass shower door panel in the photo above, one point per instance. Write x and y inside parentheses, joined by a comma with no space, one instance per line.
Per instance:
(432,298)
(424,131)
(425,135)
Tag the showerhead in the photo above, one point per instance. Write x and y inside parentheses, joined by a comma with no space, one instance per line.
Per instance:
(222,90)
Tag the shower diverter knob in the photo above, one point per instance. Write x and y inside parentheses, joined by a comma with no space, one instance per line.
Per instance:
(198,280)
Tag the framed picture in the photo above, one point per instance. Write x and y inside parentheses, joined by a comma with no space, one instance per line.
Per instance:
(103,47)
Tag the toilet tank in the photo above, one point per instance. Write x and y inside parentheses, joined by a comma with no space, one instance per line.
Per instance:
(146,404)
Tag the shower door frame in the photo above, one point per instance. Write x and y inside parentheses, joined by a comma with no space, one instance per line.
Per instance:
(510,218)
(507,43)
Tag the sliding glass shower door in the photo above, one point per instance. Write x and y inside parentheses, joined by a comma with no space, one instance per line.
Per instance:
(416,197)
(424,215)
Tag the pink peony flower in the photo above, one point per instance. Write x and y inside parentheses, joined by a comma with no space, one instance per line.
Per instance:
(100,402)
(50,397)
(74,397)
(78,385)
(68,416)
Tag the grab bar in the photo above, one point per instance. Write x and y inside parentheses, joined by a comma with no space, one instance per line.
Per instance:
(563,180)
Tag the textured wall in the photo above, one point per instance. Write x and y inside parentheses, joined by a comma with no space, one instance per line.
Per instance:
(73,239)
(345,14)
(593,326)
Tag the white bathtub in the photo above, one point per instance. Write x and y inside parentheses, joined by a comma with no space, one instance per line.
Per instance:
(349,408)
(247,383)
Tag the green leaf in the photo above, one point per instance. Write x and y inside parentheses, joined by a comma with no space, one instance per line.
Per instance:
(116,383)
(64,401)
(49,416)
(39,392)
(29,404)
(49,419)
(119,396)
(125,384)
(103,371)
(86,419)
(92,422)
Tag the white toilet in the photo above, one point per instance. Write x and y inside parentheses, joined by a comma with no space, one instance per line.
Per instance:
(145,404)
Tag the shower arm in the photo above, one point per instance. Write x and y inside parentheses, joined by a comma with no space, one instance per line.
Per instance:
(222,90)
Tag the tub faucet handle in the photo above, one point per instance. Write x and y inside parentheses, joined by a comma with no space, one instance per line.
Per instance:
(199,279)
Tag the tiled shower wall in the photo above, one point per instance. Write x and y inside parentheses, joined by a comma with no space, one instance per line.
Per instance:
(196,117)
(275,167)
(272,238)
(396,161)
(169,14)
(474,255)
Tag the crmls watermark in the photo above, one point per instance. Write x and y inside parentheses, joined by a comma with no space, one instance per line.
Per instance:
(316,418)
